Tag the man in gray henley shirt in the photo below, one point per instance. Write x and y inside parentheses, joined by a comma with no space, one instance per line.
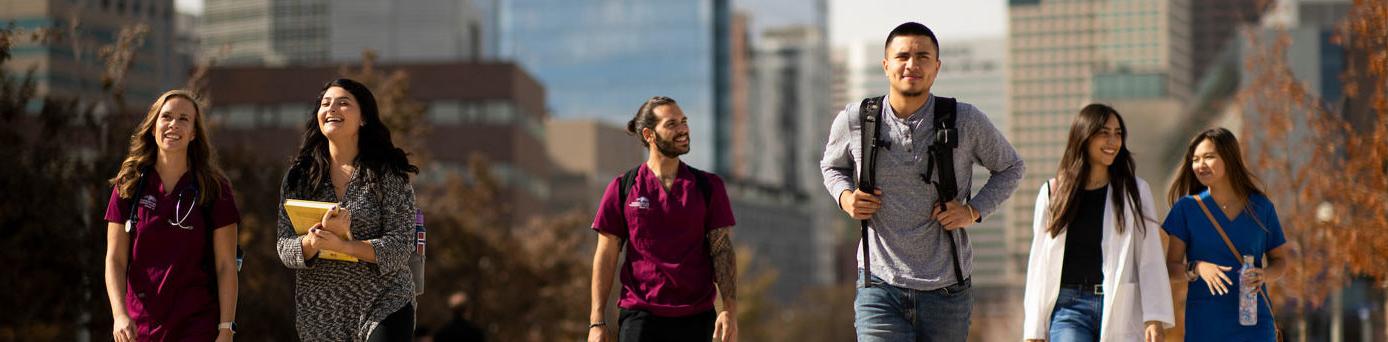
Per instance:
(914,294)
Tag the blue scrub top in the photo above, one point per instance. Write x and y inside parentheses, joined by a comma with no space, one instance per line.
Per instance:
(1211,317)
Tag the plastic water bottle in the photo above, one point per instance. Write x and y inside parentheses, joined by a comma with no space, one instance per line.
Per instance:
(1248,295)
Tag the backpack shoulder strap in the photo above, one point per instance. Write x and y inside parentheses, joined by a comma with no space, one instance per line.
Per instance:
(210,259)
(628,180)
(209,256)
(134,217)
(941,161)
(946,111)
(942,148)
(870,119)
(705,186)
(871,106)
(1218,228)
(1230,243)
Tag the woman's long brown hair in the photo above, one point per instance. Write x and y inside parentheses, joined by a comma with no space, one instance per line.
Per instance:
(1241,182)
(202,160)
(1074,169)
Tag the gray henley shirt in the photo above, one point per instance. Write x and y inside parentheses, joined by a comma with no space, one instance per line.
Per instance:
(909,248)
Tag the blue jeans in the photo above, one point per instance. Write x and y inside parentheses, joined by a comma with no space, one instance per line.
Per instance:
(1076,315)
(884,313)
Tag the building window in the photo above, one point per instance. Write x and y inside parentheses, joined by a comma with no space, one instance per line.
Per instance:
(445,113)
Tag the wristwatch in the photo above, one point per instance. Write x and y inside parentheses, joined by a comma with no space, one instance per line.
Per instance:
(228,326)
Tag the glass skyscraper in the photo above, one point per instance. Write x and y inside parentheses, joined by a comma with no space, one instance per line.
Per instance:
(603,58)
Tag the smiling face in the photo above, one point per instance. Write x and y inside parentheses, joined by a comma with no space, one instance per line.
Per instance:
(1105,144)
(338,114)
(1207,164)
(671,133)
(911,64)
(174,127)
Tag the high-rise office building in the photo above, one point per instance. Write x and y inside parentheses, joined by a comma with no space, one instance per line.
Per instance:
(72,66)
(791,120)
(784,136)
(1066,54)
(1214,24)
(297,32)
(602,59)
(974,71)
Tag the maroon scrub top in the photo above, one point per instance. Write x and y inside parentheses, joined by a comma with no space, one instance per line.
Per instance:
(168,292)
(667,271)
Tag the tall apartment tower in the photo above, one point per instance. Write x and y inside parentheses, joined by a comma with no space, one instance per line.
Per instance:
(1134,54)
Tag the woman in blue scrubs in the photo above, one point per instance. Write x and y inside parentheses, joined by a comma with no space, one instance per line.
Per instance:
(1214,175)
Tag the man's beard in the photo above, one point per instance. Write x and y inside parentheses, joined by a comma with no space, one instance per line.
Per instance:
(667,147)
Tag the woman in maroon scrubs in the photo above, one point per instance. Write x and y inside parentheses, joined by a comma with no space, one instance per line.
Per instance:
(166,279)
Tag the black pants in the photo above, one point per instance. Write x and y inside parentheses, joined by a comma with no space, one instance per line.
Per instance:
(642,326)
(398,327)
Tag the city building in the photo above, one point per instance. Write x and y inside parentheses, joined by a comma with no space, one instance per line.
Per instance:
(602,59)
(73,65)
(782,191)
(488,109)
(308,32)
(588,154)
(1064,55)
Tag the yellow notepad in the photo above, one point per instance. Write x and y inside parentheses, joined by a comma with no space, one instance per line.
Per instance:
(304,214)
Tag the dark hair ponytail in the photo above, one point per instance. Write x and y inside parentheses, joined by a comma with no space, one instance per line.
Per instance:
(645,117)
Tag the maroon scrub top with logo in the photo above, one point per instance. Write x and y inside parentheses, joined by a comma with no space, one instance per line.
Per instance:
(168,292)
(667,271)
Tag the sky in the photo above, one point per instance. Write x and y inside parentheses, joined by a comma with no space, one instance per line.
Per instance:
(854,21)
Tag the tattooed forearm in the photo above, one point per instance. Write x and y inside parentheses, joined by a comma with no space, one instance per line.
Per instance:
(724,264)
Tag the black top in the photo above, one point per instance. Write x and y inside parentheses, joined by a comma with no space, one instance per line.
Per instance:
(1084,257)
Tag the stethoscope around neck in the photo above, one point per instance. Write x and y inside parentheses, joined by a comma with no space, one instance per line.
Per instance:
(180,218)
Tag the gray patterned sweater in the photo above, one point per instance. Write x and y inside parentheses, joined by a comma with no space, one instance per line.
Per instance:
(344,301)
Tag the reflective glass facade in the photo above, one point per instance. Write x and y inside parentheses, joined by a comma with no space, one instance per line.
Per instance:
(603,58)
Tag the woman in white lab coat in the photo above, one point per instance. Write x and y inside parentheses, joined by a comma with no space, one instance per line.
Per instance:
(1097,270)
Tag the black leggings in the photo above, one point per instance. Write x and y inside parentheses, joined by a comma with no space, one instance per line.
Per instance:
(398,327)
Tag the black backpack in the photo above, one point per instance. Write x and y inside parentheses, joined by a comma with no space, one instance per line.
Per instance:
(629,179)
(208,258)
(941,161)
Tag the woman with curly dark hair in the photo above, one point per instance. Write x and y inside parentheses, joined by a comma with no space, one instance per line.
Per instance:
(347,157)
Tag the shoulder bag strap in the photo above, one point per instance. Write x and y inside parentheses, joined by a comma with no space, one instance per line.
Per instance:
(1232,249)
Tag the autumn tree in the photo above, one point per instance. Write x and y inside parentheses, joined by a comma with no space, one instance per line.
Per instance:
(60,156)
(1325,160)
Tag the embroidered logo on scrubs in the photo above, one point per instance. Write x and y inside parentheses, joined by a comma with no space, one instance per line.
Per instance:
(149,202)
(640,203)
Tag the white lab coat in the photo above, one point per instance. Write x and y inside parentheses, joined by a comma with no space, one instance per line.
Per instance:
(1137,287)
